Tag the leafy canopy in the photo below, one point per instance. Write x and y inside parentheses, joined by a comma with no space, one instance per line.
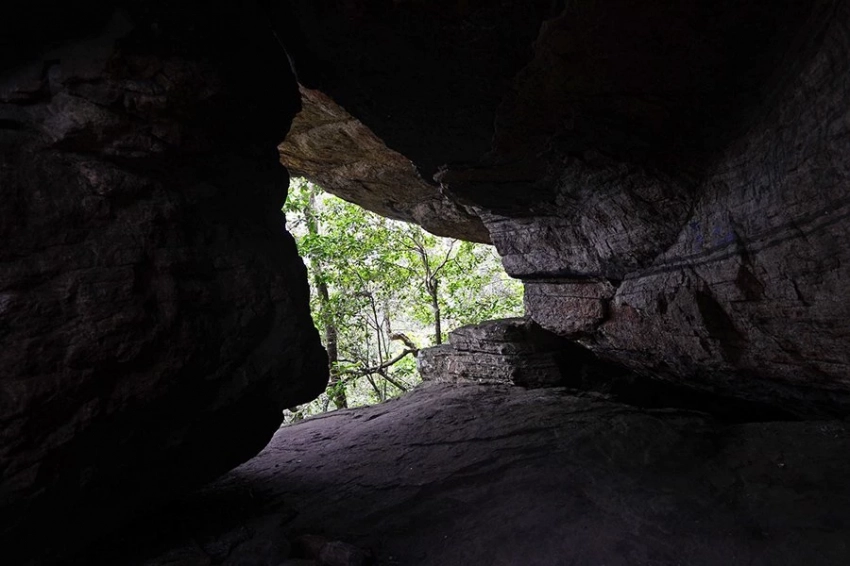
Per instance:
(382,289)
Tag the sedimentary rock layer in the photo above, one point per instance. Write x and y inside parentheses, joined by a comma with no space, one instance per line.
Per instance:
(508,351)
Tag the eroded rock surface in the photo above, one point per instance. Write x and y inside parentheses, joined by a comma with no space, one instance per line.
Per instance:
(734,277)
(471,474)
(154,312)
(669,181)
(510,351)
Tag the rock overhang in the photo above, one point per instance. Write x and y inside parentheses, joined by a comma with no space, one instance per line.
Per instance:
(697,234)
(643,168)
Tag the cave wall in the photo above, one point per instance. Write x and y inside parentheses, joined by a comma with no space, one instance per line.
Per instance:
(732,275)
(155,317)
(670,182)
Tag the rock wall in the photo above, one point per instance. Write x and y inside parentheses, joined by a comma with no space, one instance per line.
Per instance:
(732,277)
(153,309)
(670,182)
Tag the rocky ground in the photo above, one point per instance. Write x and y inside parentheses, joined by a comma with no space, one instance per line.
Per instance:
(498,475)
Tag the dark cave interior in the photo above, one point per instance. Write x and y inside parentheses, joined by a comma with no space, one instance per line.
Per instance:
(670,183)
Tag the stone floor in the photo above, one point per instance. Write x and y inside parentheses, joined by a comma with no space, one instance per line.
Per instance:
(498,475)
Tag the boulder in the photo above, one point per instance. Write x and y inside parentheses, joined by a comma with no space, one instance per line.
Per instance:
(515,350)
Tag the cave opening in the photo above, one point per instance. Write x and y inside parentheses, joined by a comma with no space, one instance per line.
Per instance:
(382,290)
(668,181)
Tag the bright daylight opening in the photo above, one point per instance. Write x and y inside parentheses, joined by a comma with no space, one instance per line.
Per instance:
(382,289)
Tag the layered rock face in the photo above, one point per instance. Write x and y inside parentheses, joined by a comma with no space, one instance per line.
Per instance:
(509,351)
(669,181)
(153,310)
(518,351)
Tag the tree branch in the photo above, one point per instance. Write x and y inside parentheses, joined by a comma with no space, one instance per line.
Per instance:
(399,385)
(446,260)
(378,368)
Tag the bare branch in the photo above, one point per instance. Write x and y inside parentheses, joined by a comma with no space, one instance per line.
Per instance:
(379,368)
(446,259)
(403,338)
(374,386)
(398,384)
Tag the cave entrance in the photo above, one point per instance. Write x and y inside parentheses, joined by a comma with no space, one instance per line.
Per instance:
(382,289)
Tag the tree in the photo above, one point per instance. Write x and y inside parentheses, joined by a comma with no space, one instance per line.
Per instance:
(431,266)
(382,288)
(325,313)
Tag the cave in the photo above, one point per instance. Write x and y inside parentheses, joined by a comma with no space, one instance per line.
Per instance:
(668,181)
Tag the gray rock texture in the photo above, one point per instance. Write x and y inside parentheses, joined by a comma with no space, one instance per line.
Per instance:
(511,351)
(737,274)
(669,181)
(489,474)
(154,312)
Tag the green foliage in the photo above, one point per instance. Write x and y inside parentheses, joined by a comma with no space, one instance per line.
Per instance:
(373,278)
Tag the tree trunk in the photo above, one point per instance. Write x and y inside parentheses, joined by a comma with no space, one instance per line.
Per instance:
(433,290)
(336,391)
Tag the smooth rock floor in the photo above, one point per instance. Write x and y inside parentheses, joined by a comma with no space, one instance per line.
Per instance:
(498,475)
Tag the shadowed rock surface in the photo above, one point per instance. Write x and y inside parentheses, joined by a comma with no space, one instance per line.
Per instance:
(154,312)
(457,475)
(517,351)
(669,181)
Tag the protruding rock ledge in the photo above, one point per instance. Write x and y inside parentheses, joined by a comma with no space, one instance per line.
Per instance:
(669,181)
(328,145)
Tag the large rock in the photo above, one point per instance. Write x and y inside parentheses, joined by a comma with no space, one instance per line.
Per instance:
(425,76)
(153,309)
(457,475)
(509,351)
(669,181)
(518,351)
